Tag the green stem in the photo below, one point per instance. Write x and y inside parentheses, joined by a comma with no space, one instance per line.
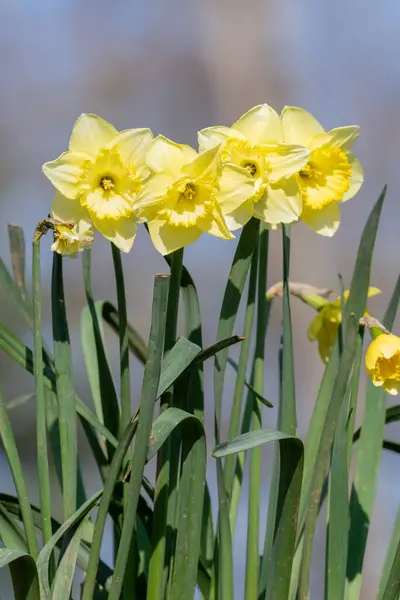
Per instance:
(123,341)
(164,505)
(253,523)
(41,425)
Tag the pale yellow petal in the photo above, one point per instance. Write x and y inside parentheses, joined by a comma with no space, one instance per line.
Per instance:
(213,136)
(166,155)
(65,172)
(70,211)
(385,345)
(324,221)
(281,203)
(260,125)
(240,216)
(132,145)
(203,165)
(299,126)
(285,160)
(121,232)
(235,186)
(168,238)
(216,225)
(154,191)
(90,134)
(315,327)
(373,291)
(357,177)
(344,137)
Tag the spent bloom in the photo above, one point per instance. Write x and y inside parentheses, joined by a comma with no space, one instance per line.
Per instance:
(324,326)
(72,238)
(100,176)
(382,362)
(255,143)
(332,175)
(181,200)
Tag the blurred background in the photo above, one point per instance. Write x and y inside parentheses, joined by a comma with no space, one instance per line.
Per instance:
(177,67)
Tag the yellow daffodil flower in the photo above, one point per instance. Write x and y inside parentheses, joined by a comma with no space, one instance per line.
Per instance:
(100,176)
(324,326)
(332,175)
(182,198)
(382,362)
(255,143)
(69,241)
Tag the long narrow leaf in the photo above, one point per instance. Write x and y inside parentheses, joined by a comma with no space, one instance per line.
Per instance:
(389,585)
(23,573)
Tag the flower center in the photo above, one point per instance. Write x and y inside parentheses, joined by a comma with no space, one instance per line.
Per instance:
(251,168)
(107,183)
(387,368)
(189,193)
(325,178)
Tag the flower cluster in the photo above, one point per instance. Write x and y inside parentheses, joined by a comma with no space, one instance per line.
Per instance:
(277,168)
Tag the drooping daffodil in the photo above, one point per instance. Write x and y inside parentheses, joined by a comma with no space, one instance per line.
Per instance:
(325,325)
(332,174)
(382,362)
(70,239)
(181,200)
(255,143)
(100,176)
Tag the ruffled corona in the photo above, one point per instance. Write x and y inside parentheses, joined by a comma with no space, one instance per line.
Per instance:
(382,362)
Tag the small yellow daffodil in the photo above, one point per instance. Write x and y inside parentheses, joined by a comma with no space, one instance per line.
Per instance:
(382,362)
(255,143)
(101,174)
(332,175)
(181,200)
(324,326)
(69,241)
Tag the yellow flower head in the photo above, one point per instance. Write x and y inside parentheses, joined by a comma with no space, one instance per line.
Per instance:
(324,326)
(181,199)
(382,362)
(255,143)
(69,241)
(100,176)
(332,175)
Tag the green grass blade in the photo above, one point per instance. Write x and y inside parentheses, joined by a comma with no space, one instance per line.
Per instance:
(367,468)
(14,293)
(148,399)
(253,521)
(389,585)
(251,440)
(65,389)
(11,533)
(14,462)
(176,361)
(17,250)
(41,425)
(135,342)
(324,451)
(23,573)
(338,514)
(248,385)
(123,340)
(66,568)
(69,525)
(230,305)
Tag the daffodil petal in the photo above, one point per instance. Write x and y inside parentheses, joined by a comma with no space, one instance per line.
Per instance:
(392,387)
(373,291)
(299,126)
(90,134)
(240,216)
(213,136)
(324,221)
(153,192)
(260,125)
(65,172)
(132,145)
(166,155)
(344,137)
(121,232)
(70,211)
(216,225)
(168,238)
(357,177)
(235,186)
(285,160)
(281,203)
(315,327)
(203,164)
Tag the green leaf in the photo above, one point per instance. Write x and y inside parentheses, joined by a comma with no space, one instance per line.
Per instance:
(17,250)
(149,395)
(136,344)
(65,389)
(70,524)
(11,451)
(175,362)
(230,305)
(250,440)
(367,469)
(66,568)
(10,532)
(248,385)
(389,585)
(23,573)
(14,294)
